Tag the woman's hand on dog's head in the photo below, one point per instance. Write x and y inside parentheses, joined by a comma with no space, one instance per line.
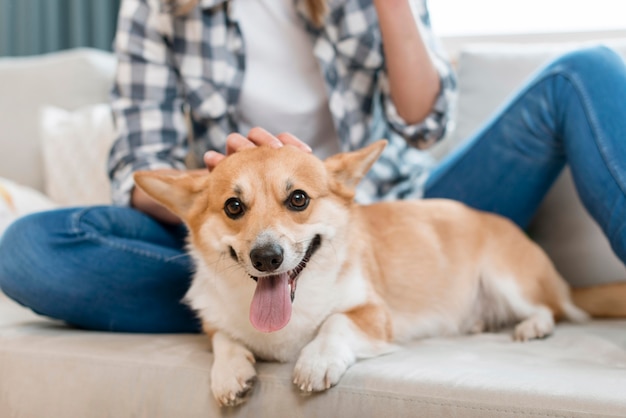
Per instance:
(256,137)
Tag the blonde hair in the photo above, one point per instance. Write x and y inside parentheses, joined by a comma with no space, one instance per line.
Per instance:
(317,8)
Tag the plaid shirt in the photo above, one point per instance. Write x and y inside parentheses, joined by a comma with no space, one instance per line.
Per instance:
(167,64)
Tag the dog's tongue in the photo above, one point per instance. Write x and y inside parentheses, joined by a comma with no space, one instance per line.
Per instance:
(271,304)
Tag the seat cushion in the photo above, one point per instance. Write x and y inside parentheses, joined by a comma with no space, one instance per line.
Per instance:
(51,370)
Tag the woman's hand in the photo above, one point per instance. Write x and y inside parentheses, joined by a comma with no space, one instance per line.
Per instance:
(256,137)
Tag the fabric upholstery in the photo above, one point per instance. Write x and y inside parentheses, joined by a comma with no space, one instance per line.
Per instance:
(68,79)
(17,200)
(75,148)
(53,371)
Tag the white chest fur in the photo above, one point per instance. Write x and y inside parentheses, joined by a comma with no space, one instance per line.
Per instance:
(222,296)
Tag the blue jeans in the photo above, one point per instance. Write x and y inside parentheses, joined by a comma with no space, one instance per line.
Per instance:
(111,268)
(100,268)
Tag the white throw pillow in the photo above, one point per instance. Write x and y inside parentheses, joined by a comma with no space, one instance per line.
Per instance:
(75,147)
(17,200)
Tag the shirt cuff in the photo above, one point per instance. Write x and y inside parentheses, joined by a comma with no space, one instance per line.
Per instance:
(425,133)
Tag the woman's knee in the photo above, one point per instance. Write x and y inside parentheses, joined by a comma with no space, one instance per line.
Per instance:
(25,245)
(98,268)
(42,253)
(596,61)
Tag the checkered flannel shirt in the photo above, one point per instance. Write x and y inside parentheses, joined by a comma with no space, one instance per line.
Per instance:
(167,64)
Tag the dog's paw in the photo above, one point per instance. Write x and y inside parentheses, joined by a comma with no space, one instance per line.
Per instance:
(537,326)
(233,379)
(318,370)
(316,376)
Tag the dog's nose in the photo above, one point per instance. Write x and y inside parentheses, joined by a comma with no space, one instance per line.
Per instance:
(267,257)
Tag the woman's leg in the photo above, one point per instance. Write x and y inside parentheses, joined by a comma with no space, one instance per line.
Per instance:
(574,112)
(102,268)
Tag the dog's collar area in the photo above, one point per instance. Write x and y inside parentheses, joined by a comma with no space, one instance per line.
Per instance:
(315,244)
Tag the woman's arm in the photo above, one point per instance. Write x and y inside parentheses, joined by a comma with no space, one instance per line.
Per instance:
(413,79)
(146,104)
(418,84)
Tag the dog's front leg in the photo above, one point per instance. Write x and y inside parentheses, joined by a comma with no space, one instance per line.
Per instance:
(233,375)
(342,339)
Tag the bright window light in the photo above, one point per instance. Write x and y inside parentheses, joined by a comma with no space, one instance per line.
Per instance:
(489,17)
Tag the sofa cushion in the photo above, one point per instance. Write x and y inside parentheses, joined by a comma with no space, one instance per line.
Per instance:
(75,147)
(489,73)
(17,200)
(51,370)
(68,79)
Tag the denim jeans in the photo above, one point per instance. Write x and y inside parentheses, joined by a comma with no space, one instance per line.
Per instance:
(101,268)
(112,268)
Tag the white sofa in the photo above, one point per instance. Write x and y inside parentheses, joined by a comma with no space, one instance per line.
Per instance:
(50,370)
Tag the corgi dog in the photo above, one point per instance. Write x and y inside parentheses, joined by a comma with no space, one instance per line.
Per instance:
(290,268)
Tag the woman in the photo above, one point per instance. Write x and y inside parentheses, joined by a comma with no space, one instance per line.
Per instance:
(193,81)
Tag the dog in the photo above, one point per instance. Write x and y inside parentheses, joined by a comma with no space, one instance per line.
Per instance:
(290,268)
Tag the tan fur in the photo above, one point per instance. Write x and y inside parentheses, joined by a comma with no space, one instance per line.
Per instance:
(373,321)
(4,194)
(605,301)
(208,330)
(383,273)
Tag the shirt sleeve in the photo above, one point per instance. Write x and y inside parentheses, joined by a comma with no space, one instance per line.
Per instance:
(433,127)
(146,98)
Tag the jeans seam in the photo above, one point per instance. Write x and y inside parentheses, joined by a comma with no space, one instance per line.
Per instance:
(78,231)
(577,85)
(584,98)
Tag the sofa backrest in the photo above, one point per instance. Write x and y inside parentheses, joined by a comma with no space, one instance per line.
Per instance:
(489,73)
(67,79)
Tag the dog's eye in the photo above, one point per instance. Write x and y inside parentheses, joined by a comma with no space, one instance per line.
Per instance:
(234,208)
(298,200)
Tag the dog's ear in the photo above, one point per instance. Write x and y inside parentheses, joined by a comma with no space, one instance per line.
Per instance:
(174,189)
(349,168)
